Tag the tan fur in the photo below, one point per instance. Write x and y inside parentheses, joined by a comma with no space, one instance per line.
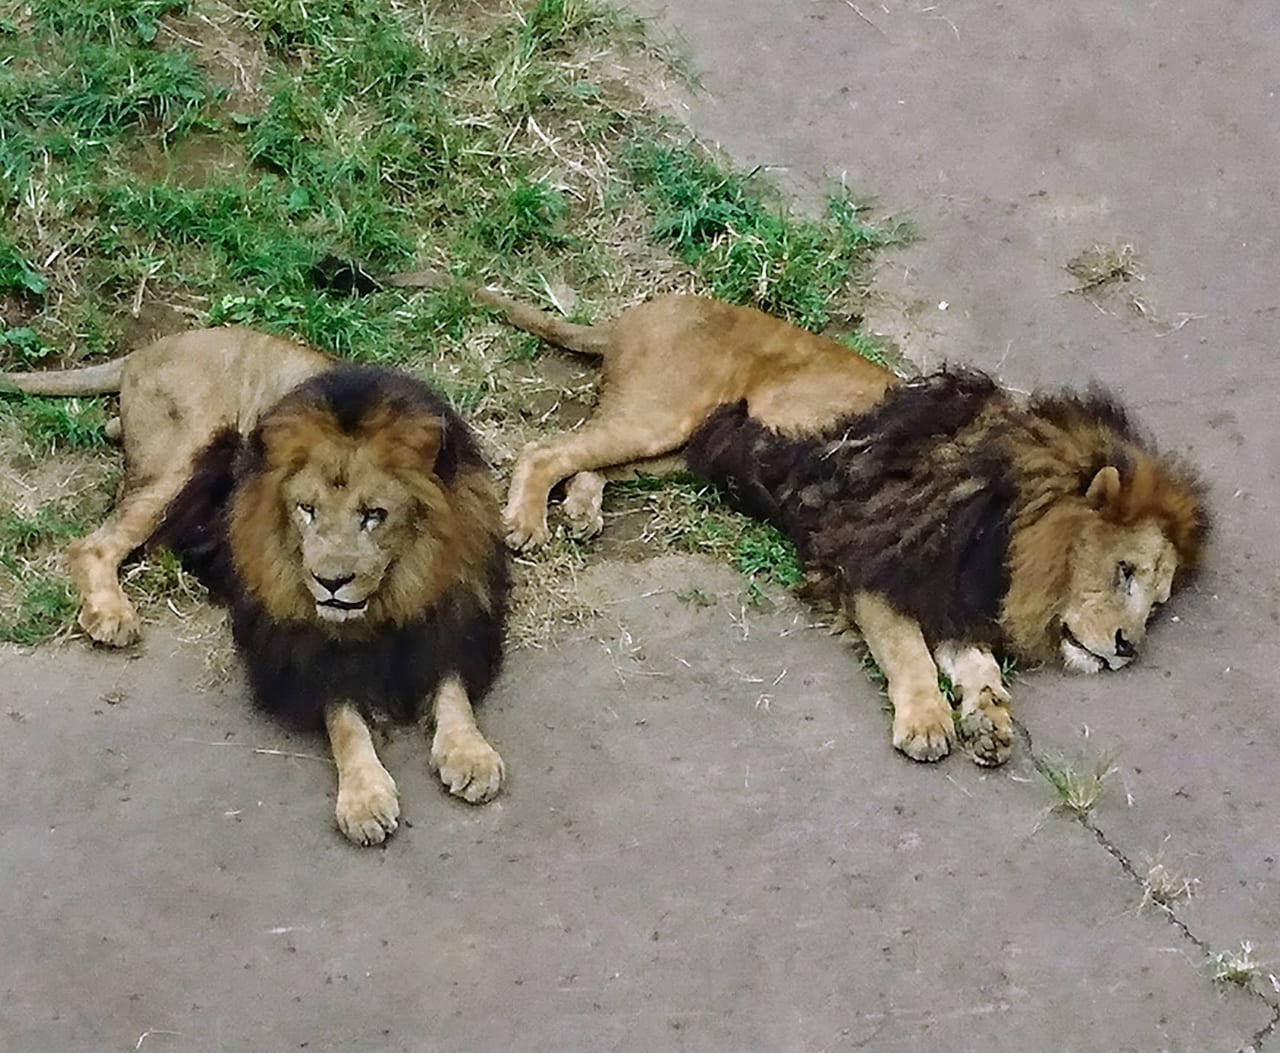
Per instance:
(669,362)
(399,569)
(176,396)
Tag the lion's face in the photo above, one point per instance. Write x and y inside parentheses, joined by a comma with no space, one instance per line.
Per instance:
(340,516)
(348,536)
(1120,575)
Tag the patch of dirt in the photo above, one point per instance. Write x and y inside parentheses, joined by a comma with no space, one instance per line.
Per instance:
(153,321)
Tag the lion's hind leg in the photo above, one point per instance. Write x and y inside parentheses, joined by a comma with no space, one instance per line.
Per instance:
(986,728)
(467,765)
(922,724)
(368,807)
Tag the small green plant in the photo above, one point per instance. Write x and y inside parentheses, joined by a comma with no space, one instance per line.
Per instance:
(1079,783)
(47,606)
(530,213)
(1241,968)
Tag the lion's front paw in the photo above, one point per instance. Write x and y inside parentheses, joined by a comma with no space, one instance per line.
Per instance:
(987,732)
(109,618)
(368,805)
(525,532)
(468,766)
(924,733)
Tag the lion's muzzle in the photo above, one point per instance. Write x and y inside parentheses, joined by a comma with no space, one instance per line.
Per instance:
(334,599)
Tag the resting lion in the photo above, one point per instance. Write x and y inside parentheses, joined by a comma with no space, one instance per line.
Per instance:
(949,521)
(346,516)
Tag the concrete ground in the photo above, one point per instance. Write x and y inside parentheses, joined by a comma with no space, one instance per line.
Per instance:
(707,842)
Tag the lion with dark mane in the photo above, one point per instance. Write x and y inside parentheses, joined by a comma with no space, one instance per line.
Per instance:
(345,515)
(951,520)
(948,520)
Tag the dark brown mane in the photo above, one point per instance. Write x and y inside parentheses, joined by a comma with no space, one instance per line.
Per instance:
(443,608)
(950,500)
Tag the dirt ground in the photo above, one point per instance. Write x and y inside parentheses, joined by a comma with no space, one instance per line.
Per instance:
(707,842)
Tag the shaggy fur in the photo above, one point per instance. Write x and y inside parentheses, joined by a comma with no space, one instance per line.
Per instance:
(951,502)
(346,516)
(230,527)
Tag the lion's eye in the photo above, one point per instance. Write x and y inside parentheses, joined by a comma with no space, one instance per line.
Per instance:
(1124,575)
(307,512)
(372,517)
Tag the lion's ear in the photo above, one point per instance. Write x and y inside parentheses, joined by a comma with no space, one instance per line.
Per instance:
(414,442)
(1104,491)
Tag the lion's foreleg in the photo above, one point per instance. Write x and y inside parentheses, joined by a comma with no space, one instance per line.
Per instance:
(922,724)
(368,804)
(986,728)
(603,443)
(94,560)
(468,766)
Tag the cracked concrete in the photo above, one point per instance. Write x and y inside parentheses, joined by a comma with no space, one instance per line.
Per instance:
(707,842)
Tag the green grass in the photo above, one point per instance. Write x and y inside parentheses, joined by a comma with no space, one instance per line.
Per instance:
(141,172)
(58,424)
(1079,783)
(46,607)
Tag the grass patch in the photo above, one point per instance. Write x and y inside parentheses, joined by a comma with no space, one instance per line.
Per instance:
(58,424)
(742,242)
(690,516)
(46,607)
(190,161)
(1163,886)
(1079,783)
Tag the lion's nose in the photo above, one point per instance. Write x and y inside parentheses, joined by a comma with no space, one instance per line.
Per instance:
(1124,649)
(334,584)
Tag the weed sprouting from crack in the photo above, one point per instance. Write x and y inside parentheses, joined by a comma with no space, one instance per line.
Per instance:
(1243,969)
(1079,783)
(1163,885)
(1100,268)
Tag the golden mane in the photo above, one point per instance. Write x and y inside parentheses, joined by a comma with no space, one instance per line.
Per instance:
(460,518)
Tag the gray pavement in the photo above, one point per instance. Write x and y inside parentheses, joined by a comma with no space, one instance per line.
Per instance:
(707,842)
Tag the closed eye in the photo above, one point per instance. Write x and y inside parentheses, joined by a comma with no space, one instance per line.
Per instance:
(1124,575)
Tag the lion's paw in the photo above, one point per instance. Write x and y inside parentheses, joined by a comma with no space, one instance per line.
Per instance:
(987,733)
(468,766)
(925,735)
(525,533)
(111,620)
(368,805)
(582,505)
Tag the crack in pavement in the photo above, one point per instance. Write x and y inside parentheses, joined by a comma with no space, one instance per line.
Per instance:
(1254,1043)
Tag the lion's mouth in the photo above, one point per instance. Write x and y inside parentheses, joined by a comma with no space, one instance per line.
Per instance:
(335,610)
(1077,656)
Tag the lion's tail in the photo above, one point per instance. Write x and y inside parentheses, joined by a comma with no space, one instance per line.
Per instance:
(585,339)
(102,379)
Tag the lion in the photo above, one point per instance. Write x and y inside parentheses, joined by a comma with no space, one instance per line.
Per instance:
(347,518)
(950,523)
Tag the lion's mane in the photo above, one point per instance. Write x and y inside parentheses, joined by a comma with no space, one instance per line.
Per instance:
(951,500)
(442,609)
